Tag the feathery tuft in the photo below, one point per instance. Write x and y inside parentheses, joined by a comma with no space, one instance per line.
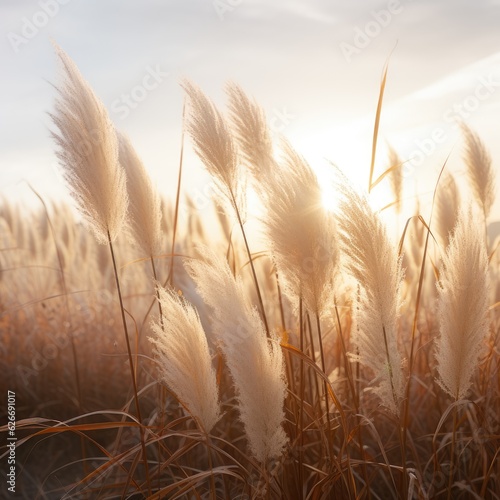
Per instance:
(144,201)
(256,364)
(301,232)
(396,177)
(88,152)
(214,145)
(252,133)
(185,362)
(373,261)
(447,208)
(462,306)
(479,170)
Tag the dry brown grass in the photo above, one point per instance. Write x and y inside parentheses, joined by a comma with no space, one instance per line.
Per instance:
(334,396)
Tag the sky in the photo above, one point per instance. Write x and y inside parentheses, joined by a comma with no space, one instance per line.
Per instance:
(315,67)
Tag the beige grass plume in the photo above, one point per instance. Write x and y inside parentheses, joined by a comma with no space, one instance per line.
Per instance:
(462,305)
(88,152)
(214,145)
(396,177)
(447,208)
(256,363)
(479,170)
(373,261)
(252,133)
(301,232)
(184,359)
(144,201)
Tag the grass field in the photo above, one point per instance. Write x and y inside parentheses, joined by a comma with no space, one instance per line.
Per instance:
(153,355)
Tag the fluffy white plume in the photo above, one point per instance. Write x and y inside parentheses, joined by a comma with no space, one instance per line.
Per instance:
(256,363)
(214,145)
(479,170)
(144,201)
(372,260)
(301,232)
(447,208)
(185,362)
(88,152)
(463,291)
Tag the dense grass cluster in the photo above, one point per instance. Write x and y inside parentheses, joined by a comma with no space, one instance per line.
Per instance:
(155,358)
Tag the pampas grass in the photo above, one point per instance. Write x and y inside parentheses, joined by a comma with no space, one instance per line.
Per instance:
(88,152)
(396,177)
(372,260)
(252,133)
(144,217)
(301,232)
(463,306)
(257,433)
(214,145)
(479,170)
(447,208)
(184,359)
(256,363)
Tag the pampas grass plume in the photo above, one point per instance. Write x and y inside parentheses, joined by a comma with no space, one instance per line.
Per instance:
(184,359)
(372,260)
(252,133)
(301,232)
(215,147)
(463,291)
(396,177)
(447,208)
(479,170)
(144,201)
(256,363)
(88,153)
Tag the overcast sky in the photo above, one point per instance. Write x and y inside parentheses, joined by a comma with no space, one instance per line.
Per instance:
(314,66)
